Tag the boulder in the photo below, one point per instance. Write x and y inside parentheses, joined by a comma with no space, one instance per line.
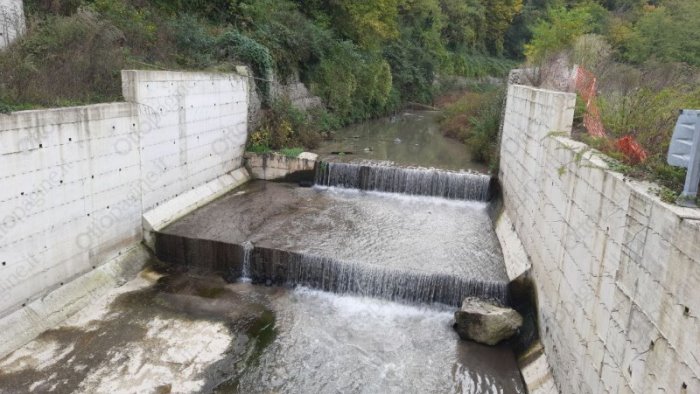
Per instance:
(484,322)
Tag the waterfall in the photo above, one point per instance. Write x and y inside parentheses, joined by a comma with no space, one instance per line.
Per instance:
(247,257)
(406,180)
(323,273)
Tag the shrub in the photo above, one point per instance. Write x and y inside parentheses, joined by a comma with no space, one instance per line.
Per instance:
(475,119)
(283,126)
(195,45)
(74,59)
(234,45)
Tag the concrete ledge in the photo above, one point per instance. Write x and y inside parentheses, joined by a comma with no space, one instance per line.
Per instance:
(164,214)
(514,255)
(536,372)
(274,166)
(23,325)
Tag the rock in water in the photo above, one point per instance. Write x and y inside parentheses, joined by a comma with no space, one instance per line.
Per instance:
(484,322)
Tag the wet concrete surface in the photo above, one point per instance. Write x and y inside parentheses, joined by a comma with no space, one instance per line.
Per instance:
(419,234)
(410,138)
(186,333)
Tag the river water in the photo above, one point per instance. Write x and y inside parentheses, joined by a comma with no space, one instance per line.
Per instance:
(409,138)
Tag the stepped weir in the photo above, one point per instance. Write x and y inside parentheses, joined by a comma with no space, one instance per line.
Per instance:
(409,234)
(415,181)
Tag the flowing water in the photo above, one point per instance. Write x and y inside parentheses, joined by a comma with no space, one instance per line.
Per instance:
(247,257)
(376,257)
(363,272)
(409,138)
(327,343)
(393,246)
(191,333)
(414,181)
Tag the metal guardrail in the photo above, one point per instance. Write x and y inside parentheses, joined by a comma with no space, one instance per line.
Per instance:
(684,151)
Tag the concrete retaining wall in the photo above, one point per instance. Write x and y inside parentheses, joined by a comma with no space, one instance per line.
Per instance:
(616,269)
(12,21)
(77,181)
(275,166)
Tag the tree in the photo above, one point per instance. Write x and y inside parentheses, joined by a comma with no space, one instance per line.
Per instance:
(557,32)
(668,33)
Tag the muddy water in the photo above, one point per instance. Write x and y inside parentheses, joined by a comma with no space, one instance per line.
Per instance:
(190,333)
(410,138)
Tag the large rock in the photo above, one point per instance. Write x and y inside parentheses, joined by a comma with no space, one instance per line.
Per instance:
(486,323)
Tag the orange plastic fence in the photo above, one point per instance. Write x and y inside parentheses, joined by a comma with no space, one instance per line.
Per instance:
(633,151)
(585,82)
(586,88)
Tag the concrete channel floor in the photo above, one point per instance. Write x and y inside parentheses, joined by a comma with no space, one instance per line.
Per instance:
(184,333)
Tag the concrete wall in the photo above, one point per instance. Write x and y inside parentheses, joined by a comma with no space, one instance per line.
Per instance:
(274,166)
(77,181)
(617,271)
(12,21)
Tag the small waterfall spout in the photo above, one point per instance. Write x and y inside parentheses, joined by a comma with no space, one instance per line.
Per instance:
(405,180)
(247,257)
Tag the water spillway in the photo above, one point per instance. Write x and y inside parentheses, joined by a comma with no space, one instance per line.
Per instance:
(398,247)
(415,181)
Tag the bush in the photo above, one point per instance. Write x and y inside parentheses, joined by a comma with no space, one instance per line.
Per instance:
(64,60)
(283,126)
(475,119)
(195,45)
(234,45)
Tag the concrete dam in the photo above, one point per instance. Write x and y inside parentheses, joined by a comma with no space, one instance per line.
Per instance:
(141,255)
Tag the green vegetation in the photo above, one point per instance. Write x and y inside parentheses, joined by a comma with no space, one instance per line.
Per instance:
(646,57)
(365,59)
(475,119)
(292,152)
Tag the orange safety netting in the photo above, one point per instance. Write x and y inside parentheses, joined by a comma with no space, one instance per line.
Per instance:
(633,151)
(586,88)
(585,83)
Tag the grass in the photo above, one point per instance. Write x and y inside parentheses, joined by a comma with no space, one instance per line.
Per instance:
(287,152)
(258,148)
(291,152)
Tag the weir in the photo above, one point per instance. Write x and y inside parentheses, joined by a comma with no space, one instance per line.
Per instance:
(415,248)
(415,181)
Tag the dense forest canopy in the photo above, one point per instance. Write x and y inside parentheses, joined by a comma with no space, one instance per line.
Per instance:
(363,58)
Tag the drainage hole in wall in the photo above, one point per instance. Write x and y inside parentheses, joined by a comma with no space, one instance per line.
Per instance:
(686,311)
